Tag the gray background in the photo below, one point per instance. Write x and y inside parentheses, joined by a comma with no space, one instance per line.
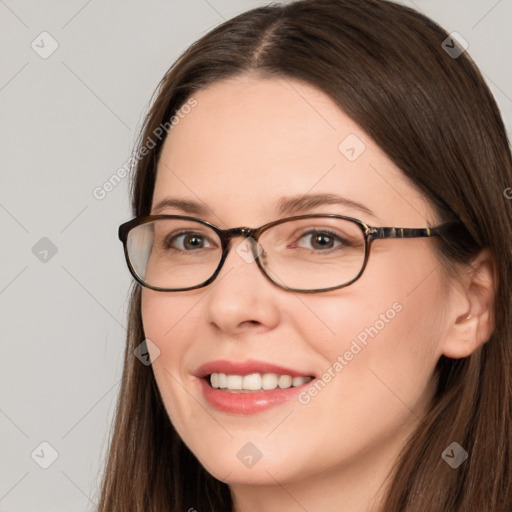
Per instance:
(68,123)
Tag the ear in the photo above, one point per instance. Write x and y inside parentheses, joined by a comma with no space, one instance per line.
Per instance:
(472,318)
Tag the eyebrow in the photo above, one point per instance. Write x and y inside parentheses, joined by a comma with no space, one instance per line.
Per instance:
(184,205)
(284,206)
(298,204)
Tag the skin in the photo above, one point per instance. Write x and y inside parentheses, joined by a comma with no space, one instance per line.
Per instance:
(247,143)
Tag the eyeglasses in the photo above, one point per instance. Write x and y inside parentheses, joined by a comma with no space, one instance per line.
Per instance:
(306,253)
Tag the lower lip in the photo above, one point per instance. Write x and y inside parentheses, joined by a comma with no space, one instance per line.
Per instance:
(248,402)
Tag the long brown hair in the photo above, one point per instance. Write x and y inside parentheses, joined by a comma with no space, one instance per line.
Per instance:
(435,118)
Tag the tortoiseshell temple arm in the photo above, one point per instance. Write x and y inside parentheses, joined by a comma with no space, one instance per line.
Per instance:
(388,232)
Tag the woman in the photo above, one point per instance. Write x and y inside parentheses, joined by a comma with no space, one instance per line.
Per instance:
(321,362)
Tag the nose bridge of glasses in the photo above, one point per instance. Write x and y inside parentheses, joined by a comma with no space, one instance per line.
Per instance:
(249,234)
(246,232)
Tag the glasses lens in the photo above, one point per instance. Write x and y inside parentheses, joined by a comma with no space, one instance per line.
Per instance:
(313,253)
(173,253)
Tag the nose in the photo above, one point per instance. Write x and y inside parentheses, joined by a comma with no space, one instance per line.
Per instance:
(241,297)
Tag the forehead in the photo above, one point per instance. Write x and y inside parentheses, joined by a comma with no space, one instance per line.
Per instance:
(249,142)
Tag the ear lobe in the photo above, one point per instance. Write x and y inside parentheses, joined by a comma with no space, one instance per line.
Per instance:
(462,340)
(471,329)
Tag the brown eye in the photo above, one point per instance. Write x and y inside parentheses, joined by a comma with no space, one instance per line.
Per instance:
(188,241)
(322,240)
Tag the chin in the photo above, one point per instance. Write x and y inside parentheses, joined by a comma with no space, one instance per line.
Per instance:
(239,461)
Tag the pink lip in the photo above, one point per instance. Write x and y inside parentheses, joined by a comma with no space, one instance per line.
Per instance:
(246,368)
(248,402)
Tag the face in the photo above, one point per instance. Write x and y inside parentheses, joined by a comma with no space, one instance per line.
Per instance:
(370,347)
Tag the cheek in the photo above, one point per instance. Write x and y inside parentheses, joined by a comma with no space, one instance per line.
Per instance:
(169,322)
(168,318)
(381,336)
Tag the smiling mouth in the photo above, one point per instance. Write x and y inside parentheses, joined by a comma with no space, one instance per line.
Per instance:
(254,382)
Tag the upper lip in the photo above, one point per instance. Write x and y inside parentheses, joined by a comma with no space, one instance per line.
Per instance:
(246,367)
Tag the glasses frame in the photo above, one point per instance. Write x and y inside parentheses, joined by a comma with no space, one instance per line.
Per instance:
(370,233)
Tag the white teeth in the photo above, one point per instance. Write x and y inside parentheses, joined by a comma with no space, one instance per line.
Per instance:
(269,381)
(222,380)
(252,382)
(255,381)
(285,381)
(234,381)
(298,381)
